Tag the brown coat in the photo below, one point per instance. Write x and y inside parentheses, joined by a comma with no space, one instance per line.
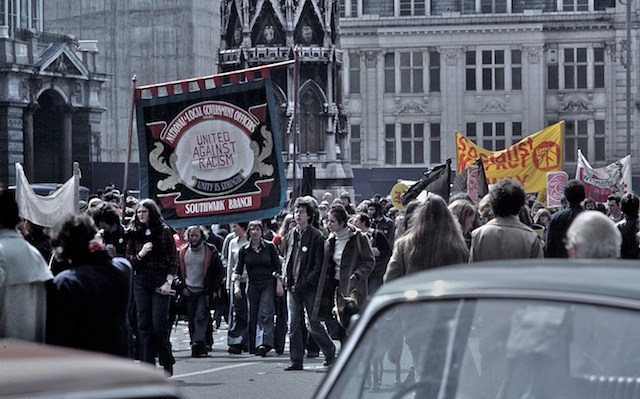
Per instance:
(357,261)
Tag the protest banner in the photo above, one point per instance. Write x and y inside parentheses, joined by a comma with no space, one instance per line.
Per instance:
(211,155)
(47,210)
(527,161)
(555,188)
(599,183)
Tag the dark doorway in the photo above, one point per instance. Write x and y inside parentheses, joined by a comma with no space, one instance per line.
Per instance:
(48,127)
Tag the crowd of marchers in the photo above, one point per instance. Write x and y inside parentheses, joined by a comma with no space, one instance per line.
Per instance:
(114,277)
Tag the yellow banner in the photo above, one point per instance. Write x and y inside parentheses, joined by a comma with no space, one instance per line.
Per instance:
(528,160)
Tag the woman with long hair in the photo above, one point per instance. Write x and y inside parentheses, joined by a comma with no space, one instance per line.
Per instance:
(465,213)
(435,239)
(152,252)
(348,262)
(260,258)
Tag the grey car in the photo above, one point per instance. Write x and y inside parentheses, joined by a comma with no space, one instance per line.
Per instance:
(500,330)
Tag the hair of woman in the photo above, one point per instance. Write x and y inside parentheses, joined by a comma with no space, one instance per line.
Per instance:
(435,238)
(72,235)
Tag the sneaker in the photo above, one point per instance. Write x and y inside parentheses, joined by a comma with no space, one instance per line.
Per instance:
(293,367)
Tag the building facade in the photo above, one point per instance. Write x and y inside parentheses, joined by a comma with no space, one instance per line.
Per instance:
(416,71)
(310,112)
(50,107)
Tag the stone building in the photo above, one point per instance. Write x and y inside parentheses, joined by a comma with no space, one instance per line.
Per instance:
(416,71)
(155,41)
(50,105)
(256,33)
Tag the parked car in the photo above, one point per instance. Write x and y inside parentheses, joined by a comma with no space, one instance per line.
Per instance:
(37,371)
(510,329)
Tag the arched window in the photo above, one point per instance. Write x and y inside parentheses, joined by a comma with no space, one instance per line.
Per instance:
(313,121)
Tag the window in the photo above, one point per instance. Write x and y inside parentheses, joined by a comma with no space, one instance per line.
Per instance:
(493,137)
(354,73)
(576,136)
(577,68)
(390,144)
(599,140)
(356,142)
(411,68)
(493,6)
(470,78)
(434,71)
(598,68)
(493,70)
(434,143)
(472,132)
(516,70)
(412,7)
(575,5)
(389,73)
(516,132)
(350,6)
(412,143)
(407,70)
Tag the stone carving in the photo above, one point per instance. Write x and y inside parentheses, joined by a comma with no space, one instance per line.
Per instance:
(412,108)
(451,55)
(576,104)
(494,106)
(533,53)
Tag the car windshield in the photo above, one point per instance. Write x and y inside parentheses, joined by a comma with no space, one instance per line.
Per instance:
(495,348)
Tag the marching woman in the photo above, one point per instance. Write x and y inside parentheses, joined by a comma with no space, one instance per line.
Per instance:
(260,258)
(348,261)
(151,250)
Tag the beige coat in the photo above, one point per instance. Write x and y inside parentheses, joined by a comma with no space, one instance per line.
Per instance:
(504,238)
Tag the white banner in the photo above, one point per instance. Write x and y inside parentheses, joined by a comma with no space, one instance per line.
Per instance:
(599,183)
(45,210)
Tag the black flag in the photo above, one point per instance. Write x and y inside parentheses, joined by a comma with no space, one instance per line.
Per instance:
(483,187)
(435,181)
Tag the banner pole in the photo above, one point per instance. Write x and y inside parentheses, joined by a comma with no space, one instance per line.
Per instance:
(129,139)
(294,191)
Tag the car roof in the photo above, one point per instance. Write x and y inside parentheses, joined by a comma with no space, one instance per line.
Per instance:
(594,277)
(31,370)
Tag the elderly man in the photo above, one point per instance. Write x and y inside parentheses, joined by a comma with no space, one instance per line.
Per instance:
(505,237)
(593,235)
(23,273)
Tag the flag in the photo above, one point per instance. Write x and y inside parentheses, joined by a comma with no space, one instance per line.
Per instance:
(527,161)
(435,181)
(43,210)
(210,150)
(482,185)
(599,183)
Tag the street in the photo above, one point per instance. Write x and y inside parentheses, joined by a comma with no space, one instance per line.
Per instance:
(240,376)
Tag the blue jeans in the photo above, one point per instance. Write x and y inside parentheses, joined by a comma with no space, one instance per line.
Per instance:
(300,305)
(238,314)
(153,316)
(261,310)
